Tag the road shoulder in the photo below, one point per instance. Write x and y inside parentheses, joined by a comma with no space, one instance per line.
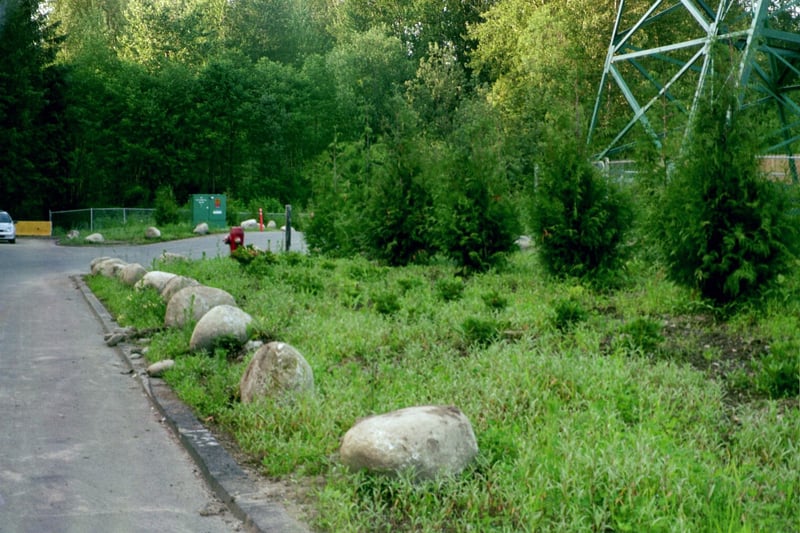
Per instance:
(245,497)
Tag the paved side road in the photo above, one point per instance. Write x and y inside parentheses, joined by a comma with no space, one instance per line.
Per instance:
(82,448)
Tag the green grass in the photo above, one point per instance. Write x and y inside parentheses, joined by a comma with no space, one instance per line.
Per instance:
(594,410)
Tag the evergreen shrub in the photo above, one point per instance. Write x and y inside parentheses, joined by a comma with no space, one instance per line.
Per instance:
(725,230)
(166,208)
(494,300)
(398,208)
(336,221)
(480,331)
(385,302)
(476,214)
(567,312)
(579,218)
(479,228)
(254,261)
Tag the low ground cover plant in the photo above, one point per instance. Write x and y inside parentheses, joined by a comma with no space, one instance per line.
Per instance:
(633,410)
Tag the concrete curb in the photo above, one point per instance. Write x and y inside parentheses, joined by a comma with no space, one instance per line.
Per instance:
(229,482)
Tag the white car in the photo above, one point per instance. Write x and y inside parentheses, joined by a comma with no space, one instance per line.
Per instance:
(7,230)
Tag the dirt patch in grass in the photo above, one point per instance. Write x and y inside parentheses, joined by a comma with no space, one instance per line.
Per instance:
(700,340)
(709,345)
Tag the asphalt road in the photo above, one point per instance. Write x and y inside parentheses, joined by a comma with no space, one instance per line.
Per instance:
(81,447)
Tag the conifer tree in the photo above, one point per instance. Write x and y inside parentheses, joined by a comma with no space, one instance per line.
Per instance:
(724,228)
(30,109)
(579,217)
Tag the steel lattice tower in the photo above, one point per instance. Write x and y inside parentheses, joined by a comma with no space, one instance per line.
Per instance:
(661,81)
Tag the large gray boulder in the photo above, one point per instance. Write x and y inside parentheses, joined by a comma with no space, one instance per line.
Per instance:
(430,441)
(201,229)
(108,267)
(223,322)
(94,262)
(276,369)
(155,279)
(191,303)
(250,223)
(95,238)
(171,257)
(152,233)
(175,284)
(131,273)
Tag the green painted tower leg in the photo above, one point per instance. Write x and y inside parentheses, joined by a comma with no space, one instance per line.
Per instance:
(659,79)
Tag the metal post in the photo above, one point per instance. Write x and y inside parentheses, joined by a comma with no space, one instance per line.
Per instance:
(91,219)
(288,226)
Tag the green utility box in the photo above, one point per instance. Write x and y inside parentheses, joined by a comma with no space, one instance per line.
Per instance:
(209,208)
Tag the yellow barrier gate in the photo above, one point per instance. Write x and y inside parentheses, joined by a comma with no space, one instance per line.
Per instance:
(33,228)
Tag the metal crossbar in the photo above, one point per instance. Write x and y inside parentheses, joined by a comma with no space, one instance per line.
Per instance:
(767,72)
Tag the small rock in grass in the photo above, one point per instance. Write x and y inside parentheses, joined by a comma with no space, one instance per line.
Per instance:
(157,369)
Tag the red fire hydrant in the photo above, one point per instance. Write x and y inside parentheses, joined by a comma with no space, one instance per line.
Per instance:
(235,238)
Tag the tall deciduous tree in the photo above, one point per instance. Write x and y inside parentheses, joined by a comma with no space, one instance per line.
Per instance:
(437,90)
(286,31)
(90,27)
(368,69)
(161,31)
(417,23)
(543,55)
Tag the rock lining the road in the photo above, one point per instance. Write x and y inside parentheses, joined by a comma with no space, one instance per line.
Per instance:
(256,501)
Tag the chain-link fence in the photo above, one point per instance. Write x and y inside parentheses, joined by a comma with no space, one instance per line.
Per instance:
(101,218)
(620,170)
(781,168)
(299,219)
(98,218)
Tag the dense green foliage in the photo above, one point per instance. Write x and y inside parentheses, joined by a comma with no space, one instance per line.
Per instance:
(724,228)
(408,130)
(579,217)
(397,221)
(166,208)
(103,103)
(33,134)
(594,410)
(402,200)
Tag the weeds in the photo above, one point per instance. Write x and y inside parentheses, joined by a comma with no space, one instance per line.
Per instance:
(573,436)
(450,289)
(567,313)
(641,334)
